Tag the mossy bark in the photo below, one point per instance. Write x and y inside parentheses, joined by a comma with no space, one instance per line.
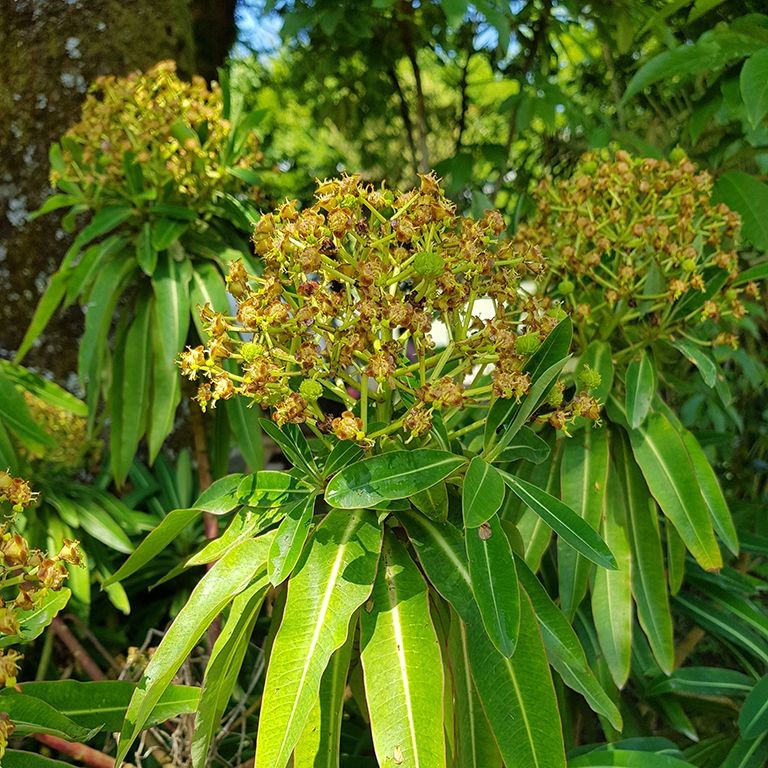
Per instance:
(51,51)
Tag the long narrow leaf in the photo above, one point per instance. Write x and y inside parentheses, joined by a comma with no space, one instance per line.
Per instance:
(402,665)
(334,577)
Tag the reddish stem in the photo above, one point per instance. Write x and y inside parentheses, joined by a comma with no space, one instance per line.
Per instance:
(80,655)
(91,757)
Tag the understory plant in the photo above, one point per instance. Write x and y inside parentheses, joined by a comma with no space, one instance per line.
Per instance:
(383,550)
(163,170)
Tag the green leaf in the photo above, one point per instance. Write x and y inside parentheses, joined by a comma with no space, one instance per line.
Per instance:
(99,524)
(50,300)
(33,622)
(669,472)
(518,696)
(33,715)
(102,704)
(703,681)
(228,577)
(390,476)
(563,648)
(755,273)
(583,478)
(165,232)
(342,454)
(433,502)
(103,222)
(402,665)
(552,352)
(751,753)
(15,415)
(146,253)
(483,492)
(48,391)
(293,444)
(223,667)
(224,494)
(443,556)
(749,197)
(563,520)
(14,758)
(712,493)
(332,580)
(626,759)
(128,425)
(527,445)
(494,583)
(170,325)
(754,86)
(80,277)
(696,355)
(244,422)
(319,743)
(53,203)
(289,540)
(612,590)
(269,489)
(475,745)
(641,387)
(166,532)
(649,583)
(675,559)
(207,287)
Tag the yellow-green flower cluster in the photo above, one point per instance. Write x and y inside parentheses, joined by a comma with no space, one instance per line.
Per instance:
(153,131)
(338,330)
(627,242)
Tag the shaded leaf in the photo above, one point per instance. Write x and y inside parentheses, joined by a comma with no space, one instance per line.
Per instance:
(483,492)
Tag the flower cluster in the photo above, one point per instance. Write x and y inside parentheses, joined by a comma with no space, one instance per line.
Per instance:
(153,131)
(339,329)
(26,574)
(630,244)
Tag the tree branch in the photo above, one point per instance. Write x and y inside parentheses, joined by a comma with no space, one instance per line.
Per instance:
(84,754)
(406,117)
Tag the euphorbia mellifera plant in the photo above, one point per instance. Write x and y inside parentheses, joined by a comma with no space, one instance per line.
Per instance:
(386,542)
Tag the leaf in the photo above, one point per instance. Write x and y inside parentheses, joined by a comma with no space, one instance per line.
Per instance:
(703,681)
(293,444)
(53,203)
(475,745)
(15,415)
(390,476)
(33,622)
(289,540)
(641,387)
(483,493)
(102,704)
(553,351)
(583,478)
(319,744)
(166,532)
(712,493)
(342,454)
(527,445)
(626,759)
(563,648)
(518,696)
(649,584)
(333,578)
(128,425)
(748,197)
(228,577)
(49,302)
(48,391)
(612,590)
(165,232)
(146,253)
(696,355)
(170,325)
(402,665)
(563,520)
(14,758)
(32,715)
(224,494)
(494,583)
(269,489)
(754,86)
(244,423)
(433,502)
(101,525)
(223,668)
(207,287)
(669,472)
(748,754)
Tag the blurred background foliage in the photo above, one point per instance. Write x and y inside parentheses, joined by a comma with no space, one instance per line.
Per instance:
(493,95)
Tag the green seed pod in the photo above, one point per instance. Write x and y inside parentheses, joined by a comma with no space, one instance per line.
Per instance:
(555,396)
(688,265)
(251,350)
(527,344)
(310,390)
(428,264)
(589,168)
(565,287)
(558,313)
(677,155)
(589,378)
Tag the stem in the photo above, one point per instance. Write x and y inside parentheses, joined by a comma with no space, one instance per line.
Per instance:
(79,654)
(45,656)
(91,757)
